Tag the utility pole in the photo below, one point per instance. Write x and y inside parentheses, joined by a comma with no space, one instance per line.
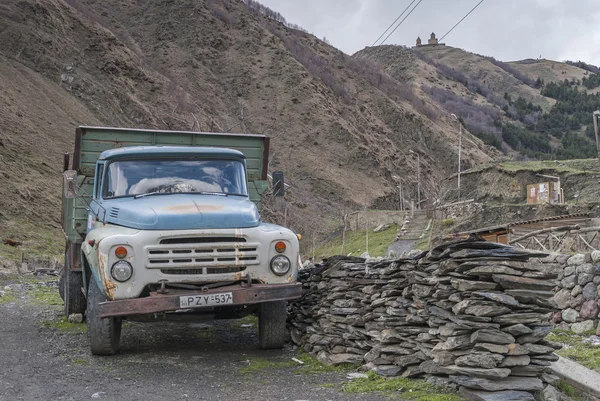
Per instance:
(460,149)
(418,178)
(597,132)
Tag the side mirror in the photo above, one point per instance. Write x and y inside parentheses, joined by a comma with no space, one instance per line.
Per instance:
(278,183)
(70,184)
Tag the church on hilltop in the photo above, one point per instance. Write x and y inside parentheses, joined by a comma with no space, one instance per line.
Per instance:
(433,41)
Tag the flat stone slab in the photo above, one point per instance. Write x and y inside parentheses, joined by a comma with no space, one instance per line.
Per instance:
(472,395)
(577,376)
(510,383)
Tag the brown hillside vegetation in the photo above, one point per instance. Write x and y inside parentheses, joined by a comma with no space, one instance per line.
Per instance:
(340,129)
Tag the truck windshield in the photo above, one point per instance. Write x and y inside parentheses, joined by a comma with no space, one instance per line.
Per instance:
(137,177)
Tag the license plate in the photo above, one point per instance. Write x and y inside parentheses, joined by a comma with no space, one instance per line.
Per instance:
(195,301)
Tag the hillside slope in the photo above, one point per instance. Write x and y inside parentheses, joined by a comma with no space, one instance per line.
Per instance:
(537,109)
(340,129)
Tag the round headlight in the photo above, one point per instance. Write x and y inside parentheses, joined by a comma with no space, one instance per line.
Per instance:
(280,265)
(121,271)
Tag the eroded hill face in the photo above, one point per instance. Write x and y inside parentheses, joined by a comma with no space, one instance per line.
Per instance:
(537,109)
(340,130)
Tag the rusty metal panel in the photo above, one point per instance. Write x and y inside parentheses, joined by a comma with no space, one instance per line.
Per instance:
(532,194)
(503,239)
(242,295)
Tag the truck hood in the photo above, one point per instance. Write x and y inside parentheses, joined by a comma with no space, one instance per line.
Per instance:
(182,212)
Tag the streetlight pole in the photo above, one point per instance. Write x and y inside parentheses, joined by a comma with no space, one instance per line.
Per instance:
(418,178)
(459,150)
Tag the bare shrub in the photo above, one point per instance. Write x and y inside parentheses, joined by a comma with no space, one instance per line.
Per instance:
(480,120)
(458,76)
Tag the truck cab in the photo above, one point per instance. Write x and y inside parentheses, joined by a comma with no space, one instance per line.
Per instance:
(172,233)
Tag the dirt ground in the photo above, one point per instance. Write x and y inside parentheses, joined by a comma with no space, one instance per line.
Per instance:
(42,357)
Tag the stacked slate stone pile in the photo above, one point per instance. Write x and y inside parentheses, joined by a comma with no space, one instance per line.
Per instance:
(473,312)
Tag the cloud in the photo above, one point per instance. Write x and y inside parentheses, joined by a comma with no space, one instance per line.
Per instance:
(507,30)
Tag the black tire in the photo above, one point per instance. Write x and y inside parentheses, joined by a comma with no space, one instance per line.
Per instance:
(71,283)
(104,334)
(271,324)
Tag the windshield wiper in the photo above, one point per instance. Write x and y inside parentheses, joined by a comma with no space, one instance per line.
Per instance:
(154,193)
(174,193)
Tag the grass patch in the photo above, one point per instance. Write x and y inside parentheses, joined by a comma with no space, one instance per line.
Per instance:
(447,223)
(575,349)
(44,295)
(312,365)
(37,241)
(574,166)
(408,389)
(356,243)
(7,298)
(570,391)
(250,319)
(80,361)
(64,326)
(256,365)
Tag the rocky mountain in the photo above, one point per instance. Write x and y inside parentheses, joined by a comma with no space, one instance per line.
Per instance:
(342,127)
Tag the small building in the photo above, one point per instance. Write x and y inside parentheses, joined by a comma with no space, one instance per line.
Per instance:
(432,39)
(545,192)
(505,233)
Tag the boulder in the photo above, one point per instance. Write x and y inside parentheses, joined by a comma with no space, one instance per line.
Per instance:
(570,315)
(586,268)
(562,299)
(582,327)
(550,393)
(590,291)
(589,309)
(584,278)
(569,270)
(595,256)
(381,228)
(576,259)
(569,282)
(576,290)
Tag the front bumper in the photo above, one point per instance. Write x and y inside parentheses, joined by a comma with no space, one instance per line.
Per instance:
(169,302)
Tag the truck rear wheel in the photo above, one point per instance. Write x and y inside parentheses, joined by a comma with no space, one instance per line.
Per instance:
(104,333)
(71,283)
(271,324)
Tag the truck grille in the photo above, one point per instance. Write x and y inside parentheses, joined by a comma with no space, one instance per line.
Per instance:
(202,255)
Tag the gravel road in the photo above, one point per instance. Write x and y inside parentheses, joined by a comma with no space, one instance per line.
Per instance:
(44,359)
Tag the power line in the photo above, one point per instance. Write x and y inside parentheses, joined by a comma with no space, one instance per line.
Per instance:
(392,24)
(386,38)
(461,20)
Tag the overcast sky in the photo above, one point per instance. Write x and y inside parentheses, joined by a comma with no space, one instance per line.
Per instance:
(505,29)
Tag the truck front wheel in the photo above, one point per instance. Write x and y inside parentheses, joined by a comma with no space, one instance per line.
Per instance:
(70,284)
(104,333)
(271,324)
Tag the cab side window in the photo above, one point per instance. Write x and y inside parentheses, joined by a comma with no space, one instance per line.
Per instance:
(98,182)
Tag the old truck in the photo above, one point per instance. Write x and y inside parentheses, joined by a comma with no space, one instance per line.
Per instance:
(164,225)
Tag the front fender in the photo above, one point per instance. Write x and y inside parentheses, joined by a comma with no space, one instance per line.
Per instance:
(96,260)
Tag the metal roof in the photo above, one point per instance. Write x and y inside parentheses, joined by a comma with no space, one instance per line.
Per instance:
(169,151)
(506,226)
